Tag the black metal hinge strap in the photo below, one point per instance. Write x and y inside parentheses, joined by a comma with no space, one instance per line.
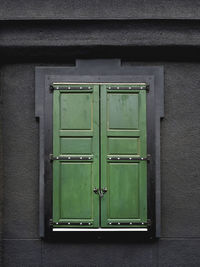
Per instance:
(131,87)
(73,223)
(58,87)
(127,223)
(129,158)
(70,158)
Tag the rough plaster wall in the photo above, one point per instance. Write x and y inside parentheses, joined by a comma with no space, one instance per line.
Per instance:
(180,131)
(1,179)
(66,9)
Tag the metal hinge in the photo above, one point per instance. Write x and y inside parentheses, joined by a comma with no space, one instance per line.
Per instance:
(127,223)
(68,88)
(51,223)
(129,158)
(130,87)
(73,223)
(70,158)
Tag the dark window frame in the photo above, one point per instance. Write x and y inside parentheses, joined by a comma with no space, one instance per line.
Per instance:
(99,70)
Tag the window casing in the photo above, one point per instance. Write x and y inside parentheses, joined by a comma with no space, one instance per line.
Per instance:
(99,74)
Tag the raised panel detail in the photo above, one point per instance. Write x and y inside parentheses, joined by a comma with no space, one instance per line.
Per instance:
(127,146)
(123,132)
(76,134)
(123,182)
(123,111)
(76,145)
(76,190)
(75,110)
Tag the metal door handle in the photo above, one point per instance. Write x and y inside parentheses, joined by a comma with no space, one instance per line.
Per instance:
(96,190)
(100,192)
(103,191)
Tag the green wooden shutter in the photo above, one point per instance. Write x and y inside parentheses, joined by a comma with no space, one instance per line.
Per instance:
(115,164)
(76,155)
(123,137)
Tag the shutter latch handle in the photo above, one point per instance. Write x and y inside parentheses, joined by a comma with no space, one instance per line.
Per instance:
(96,190)
(103,191)
(100,192)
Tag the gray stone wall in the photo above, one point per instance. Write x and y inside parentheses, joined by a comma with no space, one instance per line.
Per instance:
(180,172)
(141,32)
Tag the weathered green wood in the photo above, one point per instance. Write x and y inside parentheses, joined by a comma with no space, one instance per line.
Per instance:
(127,146)
(123,114)
(123,133)
(69,145)
(76,132)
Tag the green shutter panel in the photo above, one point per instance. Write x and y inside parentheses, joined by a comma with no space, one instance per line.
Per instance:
(123,138)
(76,155)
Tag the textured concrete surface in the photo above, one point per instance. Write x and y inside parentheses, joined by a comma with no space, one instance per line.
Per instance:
(1,177)
(180,170)
(20,145)
(99,33)
(87,9)
(159,32)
